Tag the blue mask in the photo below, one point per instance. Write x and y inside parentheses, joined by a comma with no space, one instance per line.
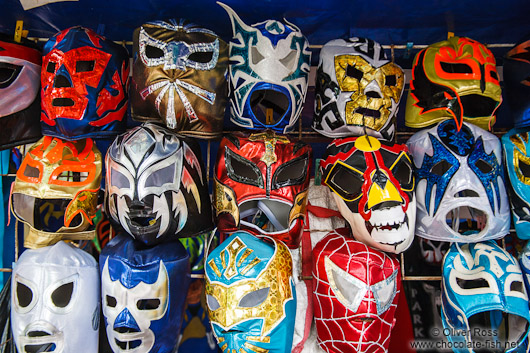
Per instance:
(143,294)
(460,191)
(250,294)
(483,279)
(270,64)
(517,154)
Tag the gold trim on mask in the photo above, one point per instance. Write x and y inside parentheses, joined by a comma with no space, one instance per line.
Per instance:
(35,239)
(224,200)
(84,200)
(520,155)
(299,207)
(269,139)
(276,276)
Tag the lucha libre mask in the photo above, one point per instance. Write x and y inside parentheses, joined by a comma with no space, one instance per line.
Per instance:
(19,94)
(179,77)
(55,300)
(433,251)
(517,153)
(143,291)
(355,295)
(357,90)
(56,190)
(261,184)
(460,184)
(455,79)
(84,85)
(483,289)
(156,185)
(269,70)
(372,184)
(250,295)
(516,71)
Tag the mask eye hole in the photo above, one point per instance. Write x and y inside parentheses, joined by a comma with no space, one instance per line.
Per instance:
(456,68)
(84,65)
(352,71)
(161,177)
(111,301)
(256,55)
(255,298)
(148,304)
(517,286)
(291,173)
(390,80)
(402,171)
(213,304)
(51,67)
(71,176)
(31,172)
(483,166)
(153,52)
(61,296)
(524,168)
(289,60)
(346,182)
(440,168)
(472,284)
(8,74)
(242,170)
(201,57)
(119,180)
(24,295)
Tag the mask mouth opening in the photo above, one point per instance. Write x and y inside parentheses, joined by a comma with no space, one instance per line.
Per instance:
(368,113)
(476,105)
(269,106)
(467,220)
(39,348)
(43,214)
(63,102)
(128,345)
(497,330)
(268,216)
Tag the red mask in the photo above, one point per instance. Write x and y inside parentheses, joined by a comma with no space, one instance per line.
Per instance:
(261,185)
(355,294)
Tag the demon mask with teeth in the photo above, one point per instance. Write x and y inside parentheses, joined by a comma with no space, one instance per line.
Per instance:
(261,185)
(251,295)
(454,79)
(356,291)
(156,185)
(84,85)
(372,182)
(179,77)
(56,191)
(55,300)
(143,291)
(516,146)
(269,70)
(357,90)
(20,65)
(460,186)
(483,291)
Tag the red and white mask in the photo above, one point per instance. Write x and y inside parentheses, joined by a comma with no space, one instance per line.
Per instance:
(355,295)
(261,185)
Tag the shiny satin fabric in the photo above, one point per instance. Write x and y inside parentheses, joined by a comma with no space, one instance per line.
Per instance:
(454,79)
(460,188)
(84,81)
(483,291)
(373,185)
(250,294)
(179,77)
(356,291)
(56,190)
(55,300)
(260,185)
(357,90)
(143,291)
(20,64)
(156,185)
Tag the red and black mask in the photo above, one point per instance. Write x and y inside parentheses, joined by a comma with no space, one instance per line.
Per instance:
(261,184)
(84,85)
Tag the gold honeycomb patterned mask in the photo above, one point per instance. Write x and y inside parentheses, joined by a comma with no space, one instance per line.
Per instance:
(55,191)
(250,294)
(357,90)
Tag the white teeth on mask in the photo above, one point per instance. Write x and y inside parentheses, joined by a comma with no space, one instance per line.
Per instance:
(388,217)
(390,226)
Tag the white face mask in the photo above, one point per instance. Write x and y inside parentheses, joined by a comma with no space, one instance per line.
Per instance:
(55,300)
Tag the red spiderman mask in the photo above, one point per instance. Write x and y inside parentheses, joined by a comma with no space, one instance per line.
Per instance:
(261,185)
(355,296)
(84,85)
